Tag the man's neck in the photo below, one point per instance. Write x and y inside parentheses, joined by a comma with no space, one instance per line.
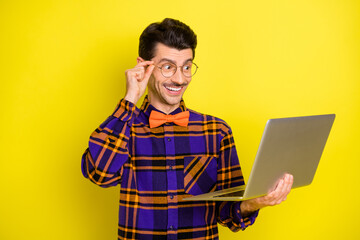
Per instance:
(165,108)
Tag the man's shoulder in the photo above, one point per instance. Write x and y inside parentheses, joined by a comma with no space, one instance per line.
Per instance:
(206,119)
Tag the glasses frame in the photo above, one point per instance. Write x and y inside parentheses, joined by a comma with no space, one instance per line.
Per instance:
(182,71)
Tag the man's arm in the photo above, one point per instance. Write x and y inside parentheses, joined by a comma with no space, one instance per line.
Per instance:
(103,160)
(108,147)
(240,215)
(230,175)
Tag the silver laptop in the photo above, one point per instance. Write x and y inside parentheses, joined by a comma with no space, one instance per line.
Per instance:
(288,145)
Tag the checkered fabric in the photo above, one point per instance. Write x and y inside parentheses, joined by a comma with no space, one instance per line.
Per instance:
(158,167)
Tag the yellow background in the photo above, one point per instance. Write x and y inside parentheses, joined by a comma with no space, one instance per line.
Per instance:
(62,69)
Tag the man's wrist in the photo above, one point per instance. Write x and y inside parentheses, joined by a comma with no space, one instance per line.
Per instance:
(247,208)
(131,98)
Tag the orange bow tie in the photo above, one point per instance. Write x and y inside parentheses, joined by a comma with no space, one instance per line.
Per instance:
(157,118)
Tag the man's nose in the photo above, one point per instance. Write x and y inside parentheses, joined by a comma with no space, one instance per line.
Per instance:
(179,77)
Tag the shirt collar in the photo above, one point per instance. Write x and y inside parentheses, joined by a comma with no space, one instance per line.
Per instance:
(146,108)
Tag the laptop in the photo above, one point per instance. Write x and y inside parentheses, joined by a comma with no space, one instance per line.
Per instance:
(288,145)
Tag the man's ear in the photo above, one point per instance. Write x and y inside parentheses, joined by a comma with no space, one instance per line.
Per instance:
(139,60)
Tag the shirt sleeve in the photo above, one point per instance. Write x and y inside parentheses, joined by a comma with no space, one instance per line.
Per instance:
(102,162)
(230,175)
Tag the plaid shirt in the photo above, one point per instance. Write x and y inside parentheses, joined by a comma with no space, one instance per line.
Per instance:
(158,167)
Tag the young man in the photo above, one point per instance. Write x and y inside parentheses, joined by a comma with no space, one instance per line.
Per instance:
(164,152)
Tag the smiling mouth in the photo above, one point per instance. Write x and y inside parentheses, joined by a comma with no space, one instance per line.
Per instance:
(173,89)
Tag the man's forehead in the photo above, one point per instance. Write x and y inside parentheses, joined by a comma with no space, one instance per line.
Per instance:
(165,52)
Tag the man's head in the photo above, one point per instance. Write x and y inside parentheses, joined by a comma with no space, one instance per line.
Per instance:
(171,33)
(170,44)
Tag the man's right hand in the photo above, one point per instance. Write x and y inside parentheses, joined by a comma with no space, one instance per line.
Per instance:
(137,79)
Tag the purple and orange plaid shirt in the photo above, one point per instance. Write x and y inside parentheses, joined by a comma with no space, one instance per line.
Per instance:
(158,167)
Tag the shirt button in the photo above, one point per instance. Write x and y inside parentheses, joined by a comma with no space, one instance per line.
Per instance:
(171,167)
(169,139)
(171,227)
(171,196)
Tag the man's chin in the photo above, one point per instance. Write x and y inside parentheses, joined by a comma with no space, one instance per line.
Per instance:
(172,100)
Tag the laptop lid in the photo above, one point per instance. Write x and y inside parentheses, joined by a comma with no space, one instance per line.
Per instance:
(288,145)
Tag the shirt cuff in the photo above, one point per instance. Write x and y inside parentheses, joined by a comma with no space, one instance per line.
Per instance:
(243,222)
(124,110)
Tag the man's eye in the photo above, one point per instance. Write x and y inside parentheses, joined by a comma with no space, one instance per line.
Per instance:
(167,67)
(187,67)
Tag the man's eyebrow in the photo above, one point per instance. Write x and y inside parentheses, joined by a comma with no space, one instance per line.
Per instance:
(167,60)
(173,62)
(188,60)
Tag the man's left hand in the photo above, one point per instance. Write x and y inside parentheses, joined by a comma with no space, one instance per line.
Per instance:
(275,197)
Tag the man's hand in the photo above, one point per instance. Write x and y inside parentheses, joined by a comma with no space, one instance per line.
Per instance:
(275,197)
(137,79)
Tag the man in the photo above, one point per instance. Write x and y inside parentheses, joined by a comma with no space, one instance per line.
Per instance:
(164,152)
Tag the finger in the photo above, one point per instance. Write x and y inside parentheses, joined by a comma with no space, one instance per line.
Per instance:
(289,184)
(148,72)
(144,63)
(137,72)
(278,184)
(285,190)
(288,181)
(145,71)
(280,192)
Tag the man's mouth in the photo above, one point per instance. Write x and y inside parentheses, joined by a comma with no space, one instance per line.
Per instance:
(173,89)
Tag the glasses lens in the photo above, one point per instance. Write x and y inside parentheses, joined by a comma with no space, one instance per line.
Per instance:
(189,69)
(168,69)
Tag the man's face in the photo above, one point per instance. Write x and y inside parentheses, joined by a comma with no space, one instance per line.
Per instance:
(165,93)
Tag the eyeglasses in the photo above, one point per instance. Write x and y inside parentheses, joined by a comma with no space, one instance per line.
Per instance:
(168,69)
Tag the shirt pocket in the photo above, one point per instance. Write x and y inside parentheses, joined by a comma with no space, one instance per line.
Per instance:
(200,174)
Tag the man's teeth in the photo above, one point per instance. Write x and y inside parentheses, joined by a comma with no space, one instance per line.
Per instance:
(173,89)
